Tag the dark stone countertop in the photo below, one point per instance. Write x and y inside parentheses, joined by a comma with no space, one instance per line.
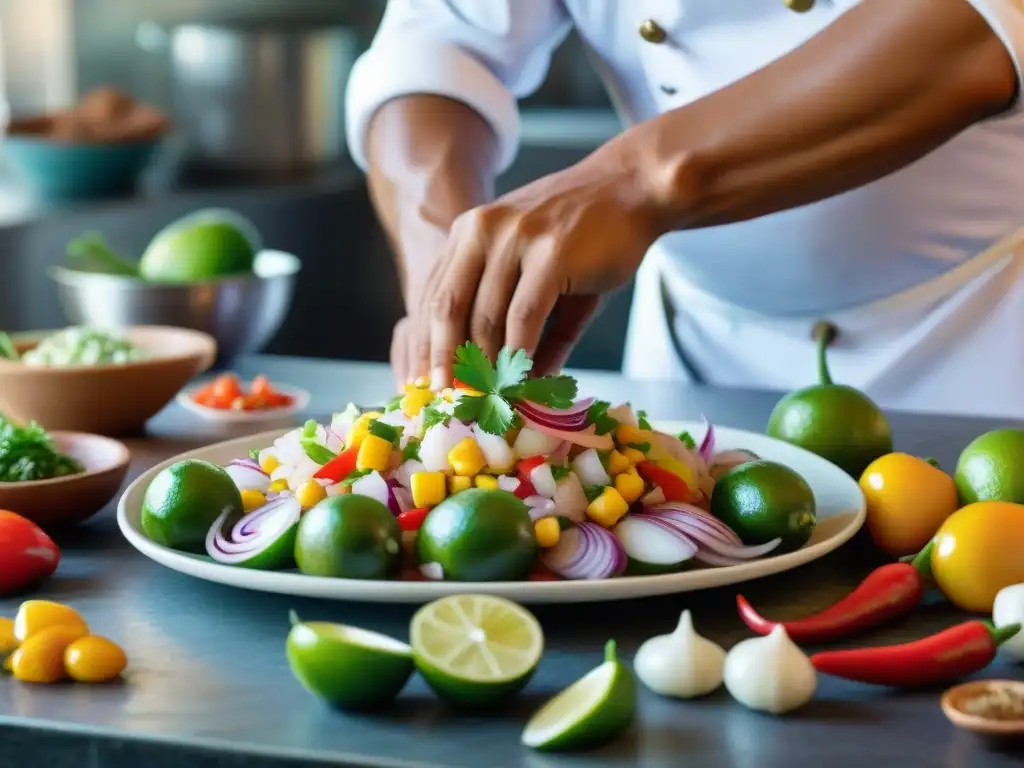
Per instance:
(208,683)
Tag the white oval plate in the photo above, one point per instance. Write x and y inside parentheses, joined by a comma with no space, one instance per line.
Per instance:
(300,399)
(840,505)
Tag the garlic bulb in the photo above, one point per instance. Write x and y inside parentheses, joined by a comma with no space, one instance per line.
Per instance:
(1008,609)
(770,673)
(683,664)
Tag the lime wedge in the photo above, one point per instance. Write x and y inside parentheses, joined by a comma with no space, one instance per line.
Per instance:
(593,710)
(347,667)
(476,650)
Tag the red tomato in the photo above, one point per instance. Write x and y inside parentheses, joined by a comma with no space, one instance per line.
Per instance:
(226,387)
(27,554)
(260,386)
(673,486)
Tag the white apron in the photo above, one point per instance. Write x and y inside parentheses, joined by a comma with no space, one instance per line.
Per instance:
(954,344)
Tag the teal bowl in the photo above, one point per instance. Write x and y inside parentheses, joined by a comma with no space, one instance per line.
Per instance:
(62,170)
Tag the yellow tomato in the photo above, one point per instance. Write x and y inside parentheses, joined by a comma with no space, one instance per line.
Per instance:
(40,659)
(37,615)
(978,551)
(94,659)
(907,499)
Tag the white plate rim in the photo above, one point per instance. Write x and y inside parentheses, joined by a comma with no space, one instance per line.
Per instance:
(418,592)
(301,399)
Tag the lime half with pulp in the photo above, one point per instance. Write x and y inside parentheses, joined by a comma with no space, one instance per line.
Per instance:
(347,667)
(593,710)
(476,650)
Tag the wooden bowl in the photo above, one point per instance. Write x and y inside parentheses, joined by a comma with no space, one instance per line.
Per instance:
(954,706)
(71,499)
(111,399)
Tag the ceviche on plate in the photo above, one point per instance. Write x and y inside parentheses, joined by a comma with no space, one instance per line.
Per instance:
(501,477)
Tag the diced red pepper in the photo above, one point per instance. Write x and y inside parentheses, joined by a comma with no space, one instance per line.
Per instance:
(412,519)
(524,489)
(338,468)
(673,486)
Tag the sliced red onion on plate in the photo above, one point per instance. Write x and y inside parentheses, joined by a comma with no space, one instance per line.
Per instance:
(374,486)
(654,545)
(573,418)
(586,551)
(691,515)
(707,445)
(263,539)
(248,476)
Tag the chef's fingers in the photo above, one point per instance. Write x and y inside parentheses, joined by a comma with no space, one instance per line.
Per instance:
(534,299)
(569,319)
(487,321)
(399,354)
(453,296)
(419,331)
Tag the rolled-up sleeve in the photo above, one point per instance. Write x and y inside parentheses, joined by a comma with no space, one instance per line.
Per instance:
(1006,17)
(483,53)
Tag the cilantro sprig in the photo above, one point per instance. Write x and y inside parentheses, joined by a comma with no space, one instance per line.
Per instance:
(687,439)
(598,416)
(641,418)
(502,385)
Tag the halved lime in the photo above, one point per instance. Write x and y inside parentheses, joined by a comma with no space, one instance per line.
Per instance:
(593,710)
(476,650)
(347,667)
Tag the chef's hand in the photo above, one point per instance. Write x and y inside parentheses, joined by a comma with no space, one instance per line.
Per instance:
(545,253)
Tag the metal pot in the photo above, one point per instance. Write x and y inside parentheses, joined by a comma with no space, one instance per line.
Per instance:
(258,96)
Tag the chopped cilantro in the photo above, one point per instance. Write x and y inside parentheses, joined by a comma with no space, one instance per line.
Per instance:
(641,418)
(393,404)
(313,449)
(604,456)
(642,447)
(254,454)
(433,415)
(503,384)
(593,491)
(598,416)
(687,439)
(384,431)
(354,475)
(411,450)
(558,472)
(564,523)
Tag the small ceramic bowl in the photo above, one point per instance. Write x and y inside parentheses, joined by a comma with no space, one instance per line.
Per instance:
(114,399)
(68,500)
(954,705)
(300,400)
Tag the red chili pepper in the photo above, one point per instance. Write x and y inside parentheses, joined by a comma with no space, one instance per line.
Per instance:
(948,655)
(338,468)
(671,484)
(412,519)
(886,593)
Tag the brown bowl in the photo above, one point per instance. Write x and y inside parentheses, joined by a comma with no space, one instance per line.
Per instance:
(954,703)
(71,499)
(112,399)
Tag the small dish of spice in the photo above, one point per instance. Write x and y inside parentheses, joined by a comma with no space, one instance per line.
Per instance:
(988,707)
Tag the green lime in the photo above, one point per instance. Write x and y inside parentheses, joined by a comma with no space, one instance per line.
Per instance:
(184,501)
(348,537)
(347,667)
(593,710)
(837,422)
(989,469)
(761,501)
(478,535)
(204,245)
(476,650)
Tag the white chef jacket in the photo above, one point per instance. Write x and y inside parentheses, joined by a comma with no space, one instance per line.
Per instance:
(926,323)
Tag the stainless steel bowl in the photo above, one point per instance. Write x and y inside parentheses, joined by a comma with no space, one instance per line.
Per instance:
(242,313)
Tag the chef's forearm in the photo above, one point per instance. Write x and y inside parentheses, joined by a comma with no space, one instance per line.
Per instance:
(878,89)
(430,159)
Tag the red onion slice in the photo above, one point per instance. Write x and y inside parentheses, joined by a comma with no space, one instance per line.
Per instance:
(263,539)
(580,406)
(568,423)
(585,552)
(586,438)
(248,476)
(705,517)
(707,445)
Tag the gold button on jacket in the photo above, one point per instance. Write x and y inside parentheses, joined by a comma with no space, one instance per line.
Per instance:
(652,31)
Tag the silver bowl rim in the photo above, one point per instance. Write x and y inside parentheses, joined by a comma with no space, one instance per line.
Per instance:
(288,266)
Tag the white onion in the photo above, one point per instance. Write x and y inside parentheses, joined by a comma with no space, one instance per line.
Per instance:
(341,423)
(570,499)
(374,486)
(336,489)
(539,507)
(590,469)
(530,443)
(509,483)
(395,419)
(434,449)
(496,450)
(282,472)
(266,454)
(542,480)
(405,472)
(248,479)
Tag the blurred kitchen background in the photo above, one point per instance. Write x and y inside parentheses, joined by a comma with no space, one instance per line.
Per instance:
(255,90)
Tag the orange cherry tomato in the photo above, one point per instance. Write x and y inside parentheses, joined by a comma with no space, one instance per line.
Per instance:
(908,499)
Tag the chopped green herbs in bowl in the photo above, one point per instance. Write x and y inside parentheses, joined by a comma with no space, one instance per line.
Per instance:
(29,453)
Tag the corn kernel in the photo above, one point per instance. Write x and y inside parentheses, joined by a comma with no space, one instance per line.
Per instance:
(617,463)
(486,481)
(310,494)
(457,483)
(252,500)
(633,455)
(627,433)
(608,508)
(428,488)
(466,458)
(361,428)
(268,462)
(547,532)
(629,485)
(374,453)
(415,401)
(279,485)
